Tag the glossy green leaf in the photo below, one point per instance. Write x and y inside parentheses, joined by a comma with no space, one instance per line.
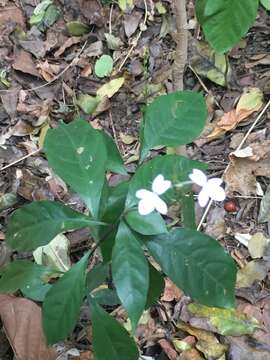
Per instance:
(110,340)
(21,273)
(197,264)
(151,224)
(104,66)
(172,120)
(173,167)
(97,276)
(266,4)
(77,154)
(115,162)
(36,224)
(112,207)
(106,296)
(77,28)
(156,286)
(130,273)
(36,292)
(61,307)
(225,22)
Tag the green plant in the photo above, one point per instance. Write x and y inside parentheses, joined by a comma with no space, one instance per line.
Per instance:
(127,225)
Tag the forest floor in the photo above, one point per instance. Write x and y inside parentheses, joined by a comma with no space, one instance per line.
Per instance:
(44,70)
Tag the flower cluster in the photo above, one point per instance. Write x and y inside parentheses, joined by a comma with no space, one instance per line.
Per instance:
(150,200)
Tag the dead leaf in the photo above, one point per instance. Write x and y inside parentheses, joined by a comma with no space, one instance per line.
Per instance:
(93,12)
(95,49)
(131,22)
(264,213)
(207,343)
(250,102)
(171,291)
(127,139)
(23,62)
(48,71)
(67,44)
(12,14)
(242,172)
(111,87)
(191,354)
(9,101)
(168,349)
(22,128)
(241,349)
(23,326)
(257,245)
(255,270)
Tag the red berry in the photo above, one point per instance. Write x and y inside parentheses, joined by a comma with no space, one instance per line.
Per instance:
(230,205)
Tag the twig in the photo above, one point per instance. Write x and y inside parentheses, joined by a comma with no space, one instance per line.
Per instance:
(238,148)
(205,88)
(180,58)
(113,130)
(135,41)
(21,159)
(110,20)
(56,77)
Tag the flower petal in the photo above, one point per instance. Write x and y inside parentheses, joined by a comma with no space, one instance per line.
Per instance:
(218,193)
(214,182)
(198,177)
(160,185)
(203,197)
(160,205)
(143,193)
(145,206)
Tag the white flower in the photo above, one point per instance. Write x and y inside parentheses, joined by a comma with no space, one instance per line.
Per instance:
(211,188)
(150,200)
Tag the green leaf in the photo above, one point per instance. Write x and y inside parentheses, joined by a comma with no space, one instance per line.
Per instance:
(173,167)
(156,286)
(115,162)
(264,213)
(172,120)
(225,22)
(266,4)
(188,210)
(110,340)
(61,307)
(36,292)
(36,224)
(106,296)
(151,224)
(104,66)
(228,322)
(130,273)
(197,264)
(111,210)
(78,155)
(88,103)
(97,276)
(77,28)
(21,273)
(51,15)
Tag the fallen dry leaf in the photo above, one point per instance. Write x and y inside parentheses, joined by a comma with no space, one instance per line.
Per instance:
(242,172)
(23,62)
(22,323)
(191,354)
(255,270)
(67,44)
(207,343)
(131,22)
(250,102)
(12,13)
(168,349)
(171,291)
(257,245)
